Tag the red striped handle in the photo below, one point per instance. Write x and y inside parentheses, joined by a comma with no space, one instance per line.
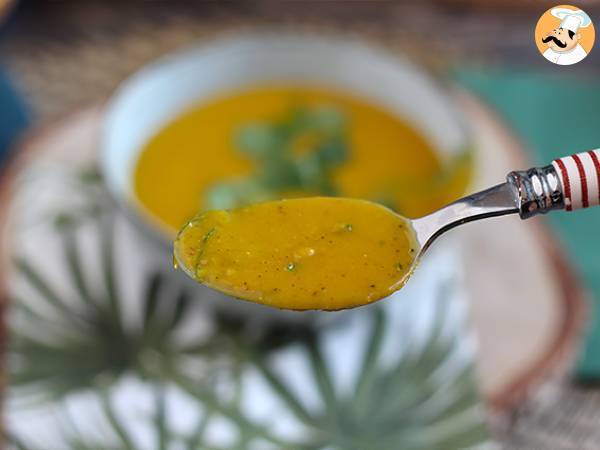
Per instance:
(580,178)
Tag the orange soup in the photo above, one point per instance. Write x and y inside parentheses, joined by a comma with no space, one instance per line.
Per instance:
(266,143)
(312,253)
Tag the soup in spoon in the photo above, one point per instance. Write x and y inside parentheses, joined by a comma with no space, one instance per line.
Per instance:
(310,253)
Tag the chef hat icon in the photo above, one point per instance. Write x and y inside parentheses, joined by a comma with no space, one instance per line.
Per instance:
(571,19)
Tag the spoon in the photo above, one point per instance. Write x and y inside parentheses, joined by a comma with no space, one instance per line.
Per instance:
(333,253)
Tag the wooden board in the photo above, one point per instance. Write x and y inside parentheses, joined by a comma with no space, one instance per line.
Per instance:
(526,302)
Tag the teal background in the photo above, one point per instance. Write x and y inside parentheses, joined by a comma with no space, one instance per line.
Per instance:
(555,115)
(14,116)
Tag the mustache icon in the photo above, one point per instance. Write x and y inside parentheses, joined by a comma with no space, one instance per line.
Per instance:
(555,40)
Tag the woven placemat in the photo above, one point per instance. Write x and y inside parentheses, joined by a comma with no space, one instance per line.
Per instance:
(70,54)
(64,57)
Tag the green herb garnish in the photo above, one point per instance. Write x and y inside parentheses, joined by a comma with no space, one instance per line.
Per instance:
(208,234)
(297,152)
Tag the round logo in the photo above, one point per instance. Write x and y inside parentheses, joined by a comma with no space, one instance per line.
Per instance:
(564,35)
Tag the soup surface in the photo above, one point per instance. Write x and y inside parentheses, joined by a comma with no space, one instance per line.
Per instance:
(266,143)
(311,253)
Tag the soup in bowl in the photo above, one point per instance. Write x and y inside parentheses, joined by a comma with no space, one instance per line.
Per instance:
(269,116)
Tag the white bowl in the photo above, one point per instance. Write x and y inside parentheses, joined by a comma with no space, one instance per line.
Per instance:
(163,90)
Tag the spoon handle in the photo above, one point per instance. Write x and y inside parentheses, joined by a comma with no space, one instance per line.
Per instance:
(569,183)
(580,179)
